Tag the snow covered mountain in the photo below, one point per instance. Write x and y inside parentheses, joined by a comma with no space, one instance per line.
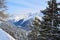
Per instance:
(26,22)
(18,27)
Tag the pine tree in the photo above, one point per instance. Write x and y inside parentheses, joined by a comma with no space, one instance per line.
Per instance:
(35,27)
(51,21)
(2,10)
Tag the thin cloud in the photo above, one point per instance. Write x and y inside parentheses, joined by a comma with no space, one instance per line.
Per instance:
(25,6)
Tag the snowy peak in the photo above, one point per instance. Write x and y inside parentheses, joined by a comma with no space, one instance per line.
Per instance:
(26,16)
(25,23)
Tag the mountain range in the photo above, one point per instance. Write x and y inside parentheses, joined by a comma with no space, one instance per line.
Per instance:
(25,23)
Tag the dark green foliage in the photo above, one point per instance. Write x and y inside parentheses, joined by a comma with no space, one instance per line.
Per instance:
(50,24)
(48,29)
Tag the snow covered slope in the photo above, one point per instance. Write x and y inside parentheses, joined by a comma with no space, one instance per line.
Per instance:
(5,36)
(14,31)
(25,23)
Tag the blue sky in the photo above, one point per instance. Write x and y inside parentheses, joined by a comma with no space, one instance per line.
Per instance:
(24,7)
